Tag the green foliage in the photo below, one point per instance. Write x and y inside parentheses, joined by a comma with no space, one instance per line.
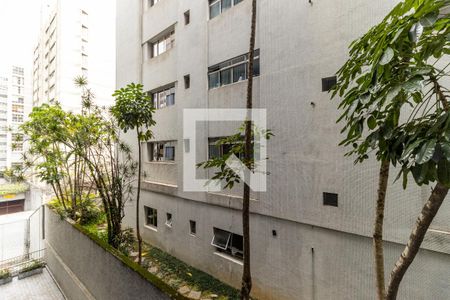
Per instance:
(194,277)
(236,145)
(4,273)
(13,188)
(33,265)
(15,174)
(125,241)
(133,109)
(397,67)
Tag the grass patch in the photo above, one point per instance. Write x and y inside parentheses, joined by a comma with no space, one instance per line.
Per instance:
(178,272)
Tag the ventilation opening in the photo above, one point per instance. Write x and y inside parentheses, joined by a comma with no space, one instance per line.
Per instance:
(187,81)
(328,83)
(187,17)
(330,199)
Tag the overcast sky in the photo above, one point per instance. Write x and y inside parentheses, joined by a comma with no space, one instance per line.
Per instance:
(19,29)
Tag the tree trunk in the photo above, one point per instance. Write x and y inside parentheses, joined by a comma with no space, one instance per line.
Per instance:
(246,275)
(423,222)
(138,230)
(378,229)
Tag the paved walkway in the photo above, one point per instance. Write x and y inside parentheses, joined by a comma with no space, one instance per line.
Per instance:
(36,287)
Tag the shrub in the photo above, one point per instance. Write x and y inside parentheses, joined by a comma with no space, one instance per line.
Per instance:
(126,241)
(33,265)
(4,273)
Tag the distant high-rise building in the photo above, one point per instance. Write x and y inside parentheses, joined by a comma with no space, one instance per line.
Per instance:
(14,107)
(72,44)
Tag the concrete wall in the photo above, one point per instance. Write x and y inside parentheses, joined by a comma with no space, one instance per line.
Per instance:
(300,262)
(84,270)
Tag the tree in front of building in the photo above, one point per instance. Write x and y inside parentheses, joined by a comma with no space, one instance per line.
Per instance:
(399,66)
(134,110)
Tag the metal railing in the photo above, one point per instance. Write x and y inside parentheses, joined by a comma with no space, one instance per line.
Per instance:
(16,264)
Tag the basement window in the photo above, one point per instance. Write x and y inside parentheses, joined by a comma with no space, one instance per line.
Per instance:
(328,83)
(330,199)
(151,216)
(187,17)
(228,242)
(192,227)
(169,220)
(187,81)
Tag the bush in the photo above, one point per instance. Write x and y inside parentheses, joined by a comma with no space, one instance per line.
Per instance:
(126,241)
(33,265)
(88,211)
(4,273)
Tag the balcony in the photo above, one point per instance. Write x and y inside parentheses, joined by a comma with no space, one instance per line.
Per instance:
(158,17)
(160,172)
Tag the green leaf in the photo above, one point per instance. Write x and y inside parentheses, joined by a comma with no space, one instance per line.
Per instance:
(387,56)
(371,122)
(426,152)
(446,149)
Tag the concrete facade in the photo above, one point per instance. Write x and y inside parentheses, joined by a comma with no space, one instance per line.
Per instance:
(76,39)
(15,105)
(301,249)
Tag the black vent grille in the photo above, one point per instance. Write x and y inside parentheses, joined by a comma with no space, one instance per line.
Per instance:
(330,199)
(328,83)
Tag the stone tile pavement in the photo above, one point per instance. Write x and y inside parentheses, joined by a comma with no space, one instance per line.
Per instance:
(36,287)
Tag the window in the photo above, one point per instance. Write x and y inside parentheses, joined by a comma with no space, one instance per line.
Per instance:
(228,242)
(152,2)
(187,17)
(216,151)
(232,70)
(17,118)
(162,44)
(19,100)
(187,81)
(17,142)
(192,227)
(330,199)
(161,151)
(169,220)
(17,108)
(151,216)
(164,98)
(216,7)
(328,83)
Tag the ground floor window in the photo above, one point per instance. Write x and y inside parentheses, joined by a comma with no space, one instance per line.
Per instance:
(228,242)
(151,216)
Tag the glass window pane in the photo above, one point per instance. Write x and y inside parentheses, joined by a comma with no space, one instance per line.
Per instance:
(214,80)
(237,1)
(170,99)
(225,77)
(214,10)
(226,4)
(155,50)
(170,153)
(214,151)
(221,238)
(161,47)
(239,72)
(256,67)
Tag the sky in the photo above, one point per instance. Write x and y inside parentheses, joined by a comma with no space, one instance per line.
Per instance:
(19,30)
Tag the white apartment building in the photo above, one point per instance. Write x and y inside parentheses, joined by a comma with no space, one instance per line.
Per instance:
(76,39)
(15,104)
(311,231)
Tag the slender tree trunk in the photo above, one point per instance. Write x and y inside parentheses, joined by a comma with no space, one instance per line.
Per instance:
(378,229)
(423,222)
(138,230)
(246,276)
